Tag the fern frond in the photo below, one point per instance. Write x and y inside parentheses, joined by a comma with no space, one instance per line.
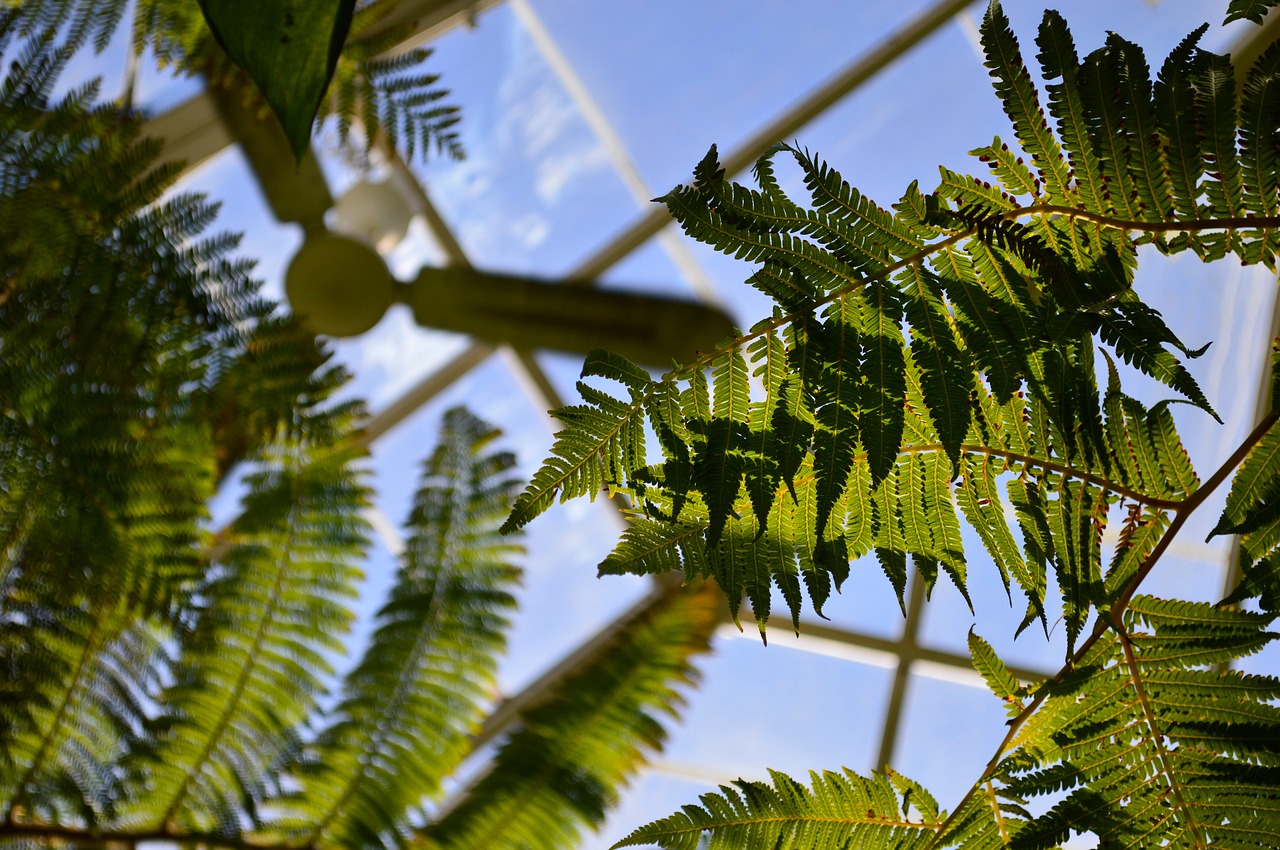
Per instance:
(1259,150)
(408,708)
(1153,746)
(995,297)
(604,445)
(1018,95)
(110,313)
(1247,10)
(252,664)
(1058,59)
(1254,489)
(556,774)
(835,810)
(1175,116)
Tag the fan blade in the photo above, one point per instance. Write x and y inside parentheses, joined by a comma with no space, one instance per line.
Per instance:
(528,313)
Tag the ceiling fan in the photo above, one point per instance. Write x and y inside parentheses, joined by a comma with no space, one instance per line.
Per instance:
(340,285)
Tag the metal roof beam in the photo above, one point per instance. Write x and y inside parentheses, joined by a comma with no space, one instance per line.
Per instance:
(786,124)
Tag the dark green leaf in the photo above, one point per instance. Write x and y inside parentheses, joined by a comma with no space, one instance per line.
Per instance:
(1248,10)
(289,48)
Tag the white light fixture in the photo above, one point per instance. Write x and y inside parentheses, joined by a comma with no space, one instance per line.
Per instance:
(375,213)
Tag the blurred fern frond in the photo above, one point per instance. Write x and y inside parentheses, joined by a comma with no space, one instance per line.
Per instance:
(165,681)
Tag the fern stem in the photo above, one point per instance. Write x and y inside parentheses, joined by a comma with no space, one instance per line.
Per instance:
(233,700)
(53,834)
(1230,223)
(1188,507)
(1157,737)
(69,698)
(783,319)
(1105,624)
(995,811)
(1062,468)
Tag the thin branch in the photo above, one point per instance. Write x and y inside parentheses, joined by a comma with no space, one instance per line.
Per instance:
(114,838)
(1261,222)
(1188,507)
(995,811)
(701,362)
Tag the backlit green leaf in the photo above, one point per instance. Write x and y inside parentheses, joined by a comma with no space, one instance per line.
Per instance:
(289,48)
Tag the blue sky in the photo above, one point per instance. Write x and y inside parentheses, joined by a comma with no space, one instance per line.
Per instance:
(538,194)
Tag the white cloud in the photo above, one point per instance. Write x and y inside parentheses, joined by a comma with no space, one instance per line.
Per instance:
(397,354)
(560,169)
(531,229)
(539,116)
(534,109)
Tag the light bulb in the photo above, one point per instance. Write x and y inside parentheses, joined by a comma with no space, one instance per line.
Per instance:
(373,212)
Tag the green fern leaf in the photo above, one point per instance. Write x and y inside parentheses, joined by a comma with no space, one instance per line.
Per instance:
(974,197)
(917,536)
(1174,463)
(1259,151)
(1215,84)
(696,210)
(1170,759)
(718,471)
(603,444)
(1058,59)
(880,419)
(792,434)
(838,809)
(1256,484)
(1008,168)
(946,376)
(945,528)
(872,228)
(979,500)
(761,474)
(1107,85)
(835,438)
(799,521)
(890,534)
(914,210)
(986,324)
(745,565)
(1037,542)
(1175,116)
(1141,532)
(1140,126)
(557,774)
(1076,520)
(409,706)
(1133,334)
(1247,10)
(1018,95)
(249,671)
(730,387)
(997,676)
(1260,579)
